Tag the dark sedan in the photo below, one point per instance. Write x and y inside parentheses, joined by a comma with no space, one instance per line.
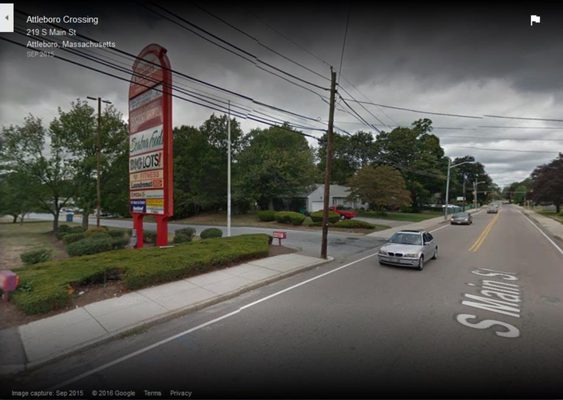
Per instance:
(462,218)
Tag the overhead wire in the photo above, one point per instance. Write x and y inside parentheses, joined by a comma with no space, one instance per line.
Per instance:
(259,42)
(226,42)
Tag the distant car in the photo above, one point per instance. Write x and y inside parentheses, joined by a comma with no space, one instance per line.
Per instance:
(344,214)
(492,209)
(409,248)
(462,218)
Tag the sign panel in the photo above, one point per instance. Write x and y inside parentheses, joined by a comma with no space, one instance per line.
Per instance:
(150,141)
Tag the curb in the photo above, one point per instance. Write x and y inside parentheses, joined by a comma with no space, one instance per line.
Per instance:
(13,369)
(532,217)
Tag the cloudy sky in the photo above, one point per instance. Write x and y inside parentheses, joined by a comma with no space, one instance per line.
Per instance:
(472,61)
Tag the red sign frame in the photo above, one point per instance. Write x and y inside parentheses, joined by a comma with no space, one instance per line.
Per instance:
(150,108)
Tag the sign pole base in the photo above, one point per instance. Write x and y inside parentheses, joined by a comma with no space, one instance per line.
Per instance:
(138,227)
(162,230)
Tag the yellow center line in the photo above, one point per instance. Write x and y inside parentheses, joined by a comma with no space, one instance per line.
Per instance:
(483,235)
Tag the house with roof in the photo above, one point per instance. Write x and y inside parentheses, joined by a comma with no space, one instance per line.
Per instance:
(338,197)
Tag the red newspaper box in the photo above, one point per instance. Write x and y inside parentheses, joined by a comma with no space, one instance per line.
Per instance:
(8,283)
(279,235)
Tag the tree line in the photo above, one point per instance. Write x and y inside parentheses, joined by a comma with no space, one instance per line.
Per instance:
(544,185)
(47,168)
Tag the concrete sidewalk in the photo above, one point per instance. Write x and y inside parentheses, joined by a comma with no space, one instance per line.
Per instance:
(45,340)
(553,227)
(422,225)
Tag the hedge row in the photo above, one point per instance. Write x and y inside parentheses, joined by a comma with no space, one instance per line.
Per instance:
(333,217)
(45,287)
(284,217)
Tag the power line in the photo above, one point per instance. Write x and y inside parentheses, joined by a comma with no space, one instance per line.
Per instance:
(344,42)
(358,115)
(368,111)
(181,74)
(250,117)
(257,59)
(362,94)
(524,118)
(260,42)
(416,111)
(494,138)
(518,127)
(506,150)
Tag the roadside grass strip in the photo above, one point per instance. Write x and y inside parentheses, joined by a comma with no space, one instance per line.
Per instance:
(483,235)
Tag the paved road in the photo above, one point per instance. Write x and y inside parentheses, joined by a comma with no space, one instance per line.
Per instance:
(340,244)
(363,330)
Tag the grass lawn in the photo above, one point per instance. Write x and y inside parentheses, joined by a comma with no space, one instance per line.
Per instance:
(251,220)
(552,215)
(16,239)
(400,216)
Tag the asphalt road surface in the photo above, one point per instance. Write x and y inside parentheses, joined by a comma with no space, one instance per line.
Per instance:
(483,320)
(341,244)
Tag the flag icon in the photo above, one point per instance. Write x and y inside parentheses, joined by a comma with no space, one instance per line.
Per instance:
(534,18)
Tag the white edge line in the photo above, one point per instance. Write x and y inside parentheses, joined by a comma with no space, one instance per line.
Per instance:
(198,327)
(543,233)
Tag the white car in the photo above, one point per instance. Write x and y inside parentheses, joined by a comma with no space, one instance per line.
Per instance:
(409,248)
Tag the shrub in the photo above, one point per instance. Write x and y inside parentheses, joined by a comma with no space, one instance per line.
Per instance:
(90,245)
(333,217)
(289,217)
(116,234)
(266,215)
(35,256)
(44,287)
(95,231)
(210,233)
(184,235)
(354,224)
(98,235)
(68,230)
(308,221)
(149,237)
(119,242)
(73,237)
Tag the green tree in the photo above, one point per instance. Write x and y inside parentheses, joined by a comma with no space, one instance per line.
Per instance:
(382,187)
(76,131)
(418,155)
(547,182)
(37,154)
(277,163)
(470,172)
(16,199)
(200,165)
(349,154)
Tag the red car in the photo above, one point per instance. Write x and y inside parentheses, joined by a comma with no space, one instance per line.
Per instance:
(344,214)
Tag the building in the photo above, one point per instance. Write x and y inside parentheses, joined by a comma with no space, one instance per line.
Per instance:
(338,197)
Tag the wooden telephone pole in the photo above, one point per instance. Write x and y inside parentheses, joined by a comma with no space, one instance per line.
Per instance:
(328,166)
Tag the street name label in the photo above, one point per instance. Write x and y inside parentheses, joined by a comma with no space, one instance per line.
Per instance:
(497,292)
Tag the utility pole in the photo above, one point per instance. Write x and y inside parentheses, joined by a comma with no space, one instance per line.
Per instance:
(328,166)
(450,166)
(229,172)
(98,155)
(464,198)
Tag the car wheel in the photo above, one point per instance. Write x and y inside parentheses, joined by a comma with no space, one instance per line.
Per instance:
(420,263)
(435,254)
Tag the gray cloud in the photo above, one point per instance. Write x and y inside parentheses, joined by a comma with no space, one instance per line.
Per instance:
(472,60)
